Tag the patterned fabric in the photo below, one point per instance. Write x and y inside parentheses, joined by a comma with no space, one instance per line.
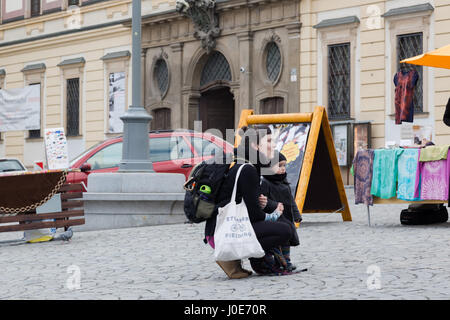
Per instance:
(363,172)
(434,153)
(434,180)
(385,170)
(407,169)
(405,83)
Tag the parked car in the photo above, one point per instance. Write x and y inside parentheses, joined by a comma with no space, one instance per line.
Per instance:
(170,152)
(8,165)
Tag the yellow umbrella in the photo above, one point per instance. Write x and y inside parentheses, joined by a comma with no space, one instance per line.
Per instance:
(439,58)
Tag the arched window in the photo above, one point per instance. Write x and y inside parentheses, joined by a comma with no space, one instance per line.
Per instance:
(273,61)
(216,69)
(162,76)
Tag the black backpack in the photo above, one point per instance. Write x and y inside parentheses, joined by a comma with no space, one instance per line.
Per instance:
(203,187)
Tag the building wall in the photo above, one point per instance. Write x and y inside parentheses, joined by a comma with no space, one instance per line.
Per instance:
(245,32)
(90,31)
(442,76)
(373,61)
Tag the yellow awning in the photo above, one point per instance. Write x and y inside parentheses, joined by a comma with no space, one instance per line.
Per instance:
(439,58)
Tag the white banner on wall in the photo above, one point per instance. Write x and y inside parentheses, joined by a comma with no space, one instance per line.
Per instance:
(20,109)
(116,101)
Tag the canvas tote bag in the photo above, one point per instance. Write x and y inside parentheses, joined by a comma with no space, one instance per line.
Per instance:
(234,236)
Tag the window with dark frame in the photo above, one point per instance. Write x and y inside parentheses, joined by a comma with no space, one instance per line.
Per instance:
(272,105)
(411,45)
(339,100)
(35,134)
(35,6)
(73,107)
(161,119)
(74,2)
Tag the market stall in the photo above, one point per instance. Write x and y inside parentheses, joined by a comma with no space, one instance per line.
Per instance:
(409,174)
(402,175)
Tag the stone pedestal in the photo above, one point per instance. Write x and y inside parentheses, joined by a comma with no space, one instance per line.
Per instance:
(126,200)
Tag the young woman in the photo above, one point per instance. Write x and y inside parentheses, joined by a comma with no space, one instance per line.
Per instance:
(255,148)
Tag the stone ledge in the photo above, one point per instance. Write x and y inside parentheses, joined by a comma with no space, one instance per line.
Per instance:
(138,183)
(91,196)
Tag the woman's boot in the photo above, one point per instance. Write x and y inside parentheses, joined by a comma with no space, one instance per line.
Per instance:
(233,269)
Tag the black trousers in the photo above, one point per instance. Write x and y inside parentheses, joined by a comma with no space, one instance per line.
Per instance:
(293,240)
(272,234)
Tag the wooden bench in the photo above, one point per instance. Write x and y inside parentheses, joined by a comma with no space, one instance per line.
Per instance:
(72,207)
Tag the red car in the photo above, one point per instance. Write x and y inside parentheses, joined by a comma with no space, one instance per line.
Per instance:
(170,152)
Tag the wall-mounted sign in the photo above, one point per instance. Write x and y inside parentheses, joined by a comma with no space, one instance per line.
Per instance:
(340,136)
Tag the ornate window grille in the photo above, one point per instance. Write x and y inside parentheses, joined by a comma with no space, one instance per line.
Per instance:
(216,68)
(411,45)
(162,76)
(73,107)
(339,81)
(35,8)
(273,61)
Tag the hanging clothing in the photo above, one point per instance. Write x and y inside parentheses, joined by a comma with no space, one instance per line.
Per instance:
(385,170)
(363,172)
(434,180)
(405,82)
(434,153)
(447,114)
(407,172)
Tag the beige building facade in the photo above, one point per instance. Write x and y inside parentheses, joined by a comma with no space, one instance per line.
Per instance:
(271,56)
(378,34)
(71,49)
(250,66)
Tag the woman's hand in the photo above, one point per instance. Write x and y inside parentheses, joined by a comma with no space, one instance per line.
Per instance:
(280,208)
(262,201)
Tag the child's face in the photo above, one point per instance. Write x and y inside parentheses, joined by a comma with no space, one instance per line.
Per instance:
(279,168)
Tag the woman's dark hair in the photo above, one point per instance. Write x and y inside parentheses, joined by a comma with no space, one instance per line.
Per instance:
(254,133)
(250,135)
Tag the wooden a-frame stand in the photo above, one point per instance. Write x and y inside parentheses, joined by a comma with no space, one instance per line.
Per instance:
(320,187)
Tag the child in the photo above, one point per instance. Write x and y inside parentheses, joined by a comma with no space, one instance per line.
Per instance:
(277,200)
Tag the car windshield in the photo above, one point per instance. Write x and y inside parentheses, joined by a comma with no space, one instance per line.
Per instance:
(72,162)
(10,165)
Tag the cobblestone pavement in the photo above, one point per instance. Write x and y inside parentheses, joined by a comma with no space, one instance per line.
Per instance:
(171,262)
